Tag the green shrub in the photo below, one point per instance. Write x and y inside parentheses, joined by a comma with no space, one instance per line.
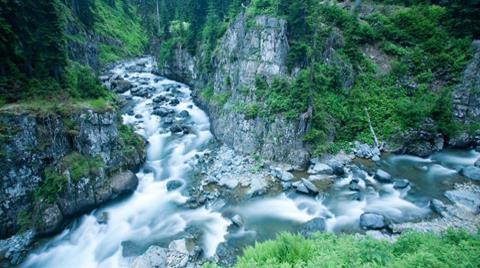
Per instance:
(454,248)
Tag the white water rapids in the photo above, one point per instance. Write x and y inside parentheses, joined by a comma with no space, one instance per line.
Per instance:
(154,215)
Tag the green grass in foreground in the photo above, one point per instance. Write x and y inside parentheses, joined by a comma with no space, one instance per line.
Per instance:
(454,248)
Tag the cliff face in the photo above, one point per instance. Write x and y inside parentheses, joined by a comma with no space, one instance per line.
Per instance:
(55,166)
(246,51)
(466,102)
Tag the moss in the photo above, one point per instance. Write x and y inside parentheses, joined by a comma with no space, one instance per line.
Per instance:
(78,166)
(131,142)
(24,220)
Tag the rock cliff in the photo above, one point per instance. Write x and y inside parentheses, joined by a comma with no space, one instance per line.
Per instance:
(250,48)
(55,165)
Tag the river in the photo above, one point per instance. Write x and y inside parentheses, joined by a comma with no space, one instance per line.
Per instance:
(154,213)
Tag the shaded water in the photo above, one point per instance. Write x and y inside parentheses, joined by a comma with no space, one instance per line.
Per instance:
(154,215)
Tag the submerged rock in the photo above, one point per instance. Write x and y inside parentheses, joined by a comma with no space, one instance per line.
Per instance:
(372,221)
(401,184)
(471,172)
(312,226)
(383,176)
(173,185)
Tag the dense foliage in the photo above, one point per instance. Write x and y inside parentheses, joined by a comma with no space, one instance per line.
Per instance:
(454,248)
(35,44)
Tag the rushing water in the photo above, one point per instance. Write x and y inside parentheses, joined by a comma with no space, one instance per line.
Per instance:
(154,215)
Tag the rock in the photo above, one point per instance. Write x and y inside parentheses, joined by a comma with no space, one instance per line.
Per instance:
(159,99)
(382,176)
(121,86)
(337,167)
(353,185)
(124,182)
(103,218)
(138,116)
(468,199)
(237,220)
(312,226)
(366,151)
(174,102)
(372,221)
(48,220)
(176,128)
(173,185)
(15,248)
(438,206)
(310,186)
(477,163)
(471,172)
(320,168)
(184,114)
(162,111)
(401,184)
(301,188)
(281,174)
(155,256)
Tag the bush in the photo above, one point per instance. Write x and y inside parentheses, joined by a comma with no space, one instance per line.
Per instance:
(454,248)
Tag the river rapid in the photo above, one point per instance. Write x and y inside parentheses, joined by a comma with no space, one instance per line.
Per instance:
(178,135)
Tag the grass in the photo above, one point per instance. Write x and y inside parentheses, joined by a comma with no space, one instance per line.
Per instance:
(454,248)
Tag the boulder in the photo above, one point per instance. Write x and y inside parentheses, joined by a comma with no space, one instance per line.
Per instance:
(401,184)
(382,176)
(124,182)
(173,185)
(48,219)
(301,188)
(366,151)
(468,199)
(281,174)
(312,226)
(320,168)
(174,102)
(184,114)
(159,99)
(353,185)
(237,220)
(372,221)
(310,186)
(155,256)
(161,111)
(471,172)
(438,206)
(121,86)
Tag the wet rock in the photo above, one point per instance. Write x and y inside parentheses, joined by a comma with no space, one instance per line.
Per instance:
(354,186)
(401,184)
(471,172)
(124,182)
(159,99)
(121,86)
(301,188)
(167,121)
(372,221)
(281,174)
(138,116)
(103,218)
(366,151)
(237,220)
(158,79)
(438,206)
(320,168)
(184,114)
(155,256)
(176,128)
(310,186)
(162,111)
(477,163)
(15,248)
(382,176)
(337,167)
(48,219)
(174,102)
(173,185)
(468,199)
(312,226)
